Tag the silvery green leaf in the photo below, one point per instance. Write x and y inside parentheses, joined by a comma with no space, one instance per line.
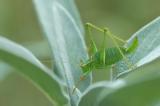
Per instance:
(63,30)
(139,88)
(147,50)
(27,64)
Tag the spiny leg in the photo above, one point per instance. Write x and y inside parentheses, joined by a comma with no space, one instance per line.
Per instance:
(103,51)
(92,50)
(93,47)
(114,38)
(102,30)
(129,64)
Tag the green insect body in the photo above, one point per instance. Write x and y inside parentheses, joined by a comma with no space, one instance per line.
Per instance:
(104,57)
(112,55)
(101,58)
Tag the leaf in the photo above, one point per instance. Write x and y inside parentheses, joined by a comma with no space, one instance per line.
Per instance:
(139,88)
(147,51)
(35,48)
(25,63)
(63,30)
(92,96)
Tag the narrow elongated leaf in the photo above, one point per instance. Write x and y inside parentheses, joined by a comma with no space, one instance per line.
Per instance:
(139,88)
(148,48)
(93,94)
(64,33)
(35,48)
(25,63)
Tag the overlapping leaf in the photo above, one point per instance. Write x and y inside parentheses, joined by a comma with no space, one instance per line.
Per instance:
(24,62)
(63,30)
(148,48)
(137,89)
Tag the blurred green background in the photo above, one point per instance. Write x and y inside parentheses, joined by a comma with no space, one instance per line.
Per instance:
(18,22)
